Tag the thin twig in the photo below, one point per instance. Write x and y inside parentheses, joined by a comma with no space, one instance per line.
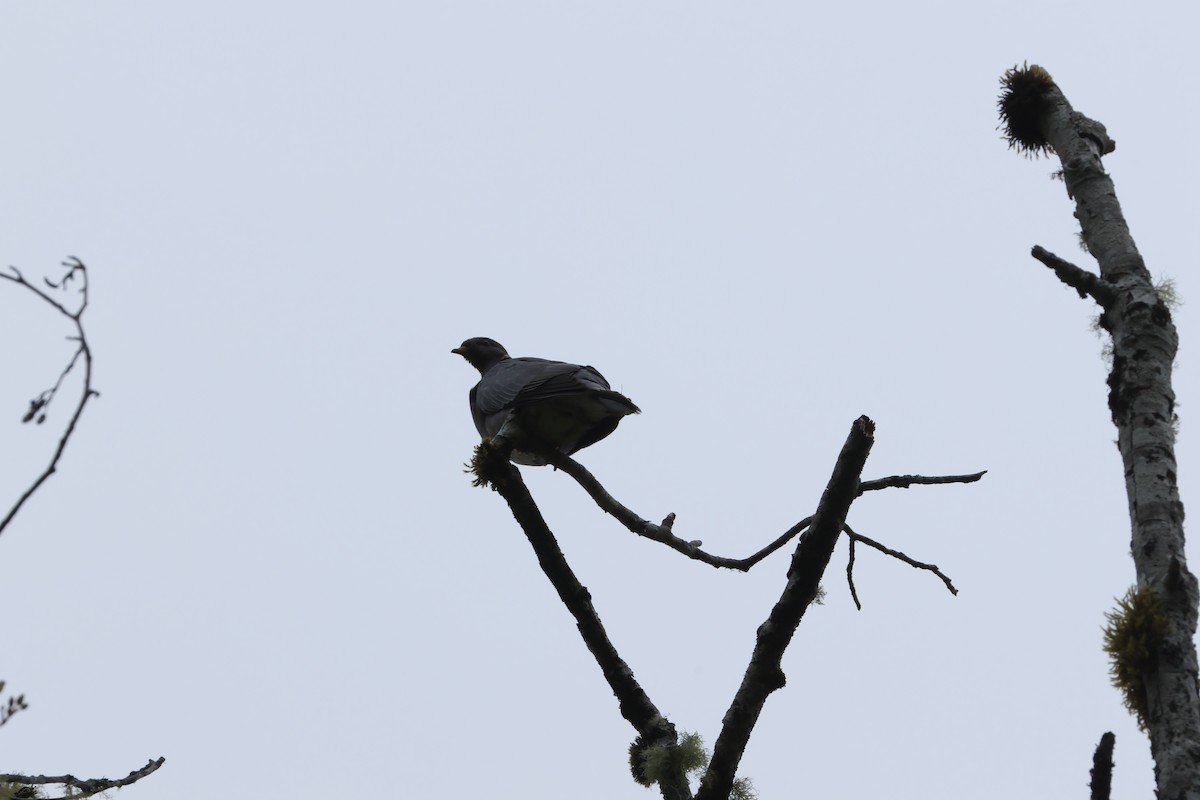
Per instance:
(850,574)
(38,405)
(17,277)
(905,481)
(896,554)
(14,704)
(86,788)
(746,563)
(663,533)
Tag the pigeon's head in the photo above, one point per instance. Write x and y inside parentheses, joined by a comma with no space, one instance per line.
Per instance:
(482,353)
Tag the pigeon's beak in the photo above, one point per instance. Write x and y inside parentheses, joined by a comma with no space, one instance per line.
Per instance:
(460,350)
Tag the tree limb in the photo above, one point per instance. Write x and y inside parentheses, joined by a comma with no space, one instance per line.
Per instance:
(765,672)
(1087,284)
(850,575)
(85,788)
(38,406)
(662,533)
(905,481)
(492,465)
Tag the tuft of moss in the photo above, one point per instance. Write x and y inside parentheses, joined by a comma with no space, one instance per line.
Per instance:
(662,759)
(649,763)
(483,465)
(637,765)
(1023,101)
(1131,638)
(743,789)
(1168,293)
(475,467)
(692,755)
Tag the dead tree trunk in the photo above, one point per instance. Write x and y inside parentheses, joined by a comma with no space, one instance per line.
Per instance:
(1151,637)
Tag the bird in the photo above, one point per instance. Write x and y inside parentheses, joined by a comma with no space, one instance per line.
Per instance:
(540,405)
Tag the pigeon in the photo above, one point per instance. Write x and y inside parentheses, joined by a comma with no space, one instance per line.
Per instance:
(540,405)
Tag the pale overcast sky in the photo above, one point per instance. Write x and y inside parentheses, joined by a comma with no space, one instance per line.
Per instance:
(261,558)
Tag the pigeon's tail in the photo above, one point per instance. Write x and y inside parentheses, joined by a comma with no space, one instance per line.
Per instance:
(616,402)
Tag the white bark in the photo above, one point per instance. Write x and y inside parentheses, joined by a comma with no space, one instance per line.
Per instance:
(1142,403)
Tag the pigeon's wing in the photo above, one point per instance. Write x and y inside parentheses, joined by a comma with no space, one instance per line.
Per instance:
(479,418)
(579,382)
(574,379)
(518,381)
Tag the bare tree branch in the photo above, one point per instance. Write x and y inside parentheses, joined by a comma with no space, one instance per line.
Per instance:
(765,672)
(905,481)
(1087,284)
(491,464)
(14,704)
(850,575)
(662,533)
(38,406)
(84,788)
(858,537)
(76,270)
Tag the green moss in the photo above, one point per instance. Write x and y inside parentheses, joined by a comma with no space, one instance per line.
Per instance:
(483,465)
(1131,638)
(743,789)
(692,755)
(636,765)
(1167,293)
(651,762)
(475,467)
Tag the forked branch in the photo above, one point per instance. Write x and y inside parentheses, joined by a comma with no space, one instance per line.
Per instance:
(858,537)
(764,673)
(76,272)
(664,532)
